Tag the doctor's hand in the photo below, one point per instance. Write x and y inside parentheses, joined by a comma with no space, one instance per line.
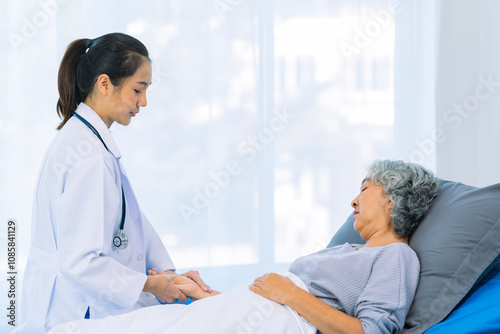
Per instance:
(193,275)
(162,287)
(191,288)
(277,288)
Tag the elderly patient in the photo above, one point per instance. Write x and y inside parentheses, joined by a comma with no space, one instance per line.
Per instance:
(344,289)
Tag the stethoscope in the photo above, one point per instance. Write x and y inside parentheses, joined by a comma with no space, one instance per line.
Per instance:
(120,240)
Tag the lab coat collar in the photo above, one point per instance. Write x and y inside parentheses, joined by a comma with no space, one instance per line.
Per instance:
(93,118)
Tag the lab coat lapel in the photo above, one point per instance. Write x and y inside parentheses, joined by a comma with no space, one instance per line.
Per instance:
(93,118)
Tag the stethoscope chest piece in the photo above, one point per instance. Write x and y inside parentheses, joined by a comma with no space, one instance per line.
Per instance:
(120,240)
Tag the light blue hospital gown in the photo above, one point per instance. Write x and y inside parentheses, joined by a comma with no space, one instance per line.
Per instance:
(374,284)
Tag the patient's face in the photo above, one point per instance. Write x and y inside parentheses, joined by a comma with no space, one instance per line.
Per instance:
(371,209)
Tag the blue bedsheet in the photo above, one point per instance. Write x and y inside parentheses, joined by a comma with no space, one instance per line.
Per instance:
(479,313)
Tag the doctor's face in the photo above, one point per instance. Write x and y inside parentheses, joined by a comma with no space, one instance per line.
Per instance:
(372,209)
(131,95)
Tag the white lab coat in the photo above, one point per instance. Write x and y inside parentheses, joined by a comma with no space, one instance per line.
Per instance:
(72,264)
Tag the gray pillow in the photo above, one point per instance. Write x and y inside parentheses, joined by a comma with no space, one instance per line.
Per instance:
(456,242)
(346,233)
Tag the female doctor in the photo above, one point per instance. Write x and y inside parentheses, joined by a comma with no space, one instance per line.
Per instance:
(91,245)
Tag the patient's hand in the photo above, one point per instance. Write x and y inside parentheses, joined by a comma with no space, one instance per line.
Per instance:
(279,289)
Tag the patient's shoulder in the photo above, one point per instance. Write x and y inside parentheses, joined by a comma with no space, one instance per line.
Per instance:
(398,254)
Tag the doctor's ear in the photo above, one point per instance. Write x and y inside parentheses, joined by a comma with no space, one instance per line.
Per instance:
(104,85)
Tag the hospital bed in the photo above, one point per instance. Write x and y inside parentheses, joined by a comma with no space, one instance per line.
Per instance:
(458,245)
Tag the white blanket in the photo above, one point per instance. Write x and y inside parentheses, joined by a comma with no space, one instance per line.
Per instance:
(237,311)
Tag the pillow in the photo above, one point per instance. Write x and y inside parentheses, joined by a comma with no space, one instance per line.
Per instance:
(456,242)
(479,313)
(346,233)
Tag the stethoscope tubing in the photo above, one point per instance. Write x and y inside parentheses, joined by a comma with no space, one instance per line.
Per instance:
(122,243)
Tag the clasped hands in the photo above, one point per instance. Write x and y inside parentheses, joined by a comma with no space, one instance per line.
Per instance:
(169,287)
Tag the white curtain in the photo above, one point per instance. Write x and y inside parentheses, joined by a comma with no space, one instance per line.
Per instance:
(447,88)
(414,82)
(261,119)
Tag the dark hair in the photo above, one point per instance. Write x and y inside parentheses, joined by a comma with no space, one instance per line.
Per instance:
(117,55)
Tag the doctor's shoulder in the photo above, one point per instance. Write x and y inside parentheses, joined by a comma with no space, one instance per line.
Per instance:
(75,146)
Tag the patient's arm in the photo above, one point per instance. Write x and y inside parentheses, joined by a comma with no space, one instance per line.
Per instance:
(324,317)
(194,275)
(164,289)
(186,285)
(191,288)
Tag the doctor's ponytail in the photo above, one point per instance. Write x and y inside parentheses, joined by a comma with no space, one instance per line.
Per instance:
(117,55)
(69,96)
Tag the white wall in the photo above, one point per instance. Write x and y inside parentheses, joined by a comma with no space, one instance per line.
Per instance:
(446,115)
(468,92)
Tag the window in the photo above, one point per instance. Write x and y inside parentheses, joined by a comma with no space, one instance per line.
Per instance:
(258,125)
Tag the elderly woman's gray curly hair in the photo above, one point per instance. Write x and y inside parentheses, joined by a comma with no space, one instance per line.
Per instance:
(411,189)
